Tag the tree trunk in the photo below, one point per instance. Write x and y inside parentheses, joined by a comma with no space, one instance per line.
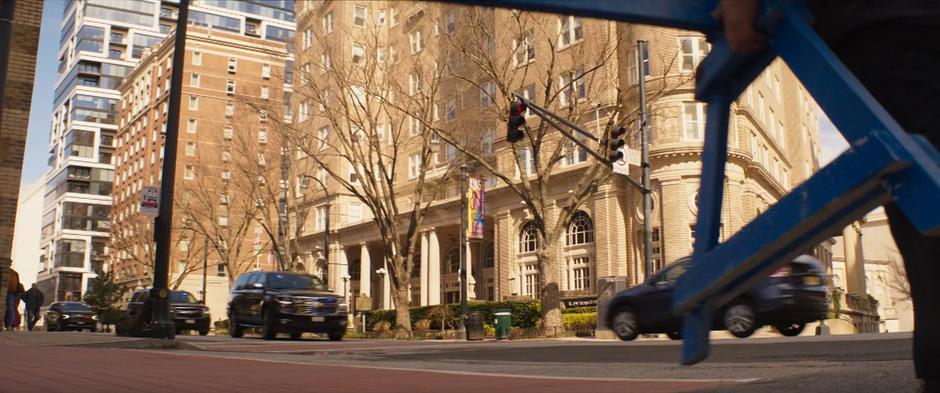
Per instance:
(402,313)
(550,296)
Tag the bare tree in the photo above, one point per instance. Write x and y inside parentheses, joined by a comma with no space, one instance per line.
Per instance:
(132,240)
(347,127)
(559,81)
(898,281)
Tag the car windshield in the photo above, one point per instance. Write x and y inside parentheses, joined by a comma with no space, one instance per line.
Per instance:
(182,297)
(295,281)
(75,307)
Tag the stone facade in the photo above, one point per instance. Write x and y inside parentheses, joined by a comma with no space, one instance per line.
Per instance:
(773,146)
(14,119)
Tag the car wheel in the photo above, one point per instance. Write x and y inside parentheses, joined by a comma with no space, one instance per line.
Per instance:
(296,335)
(740,320)
(234,329)
(204,332)
(93,330)
(790,329)
(335,336)
(674,335)
(268,329)
(624,324)
(49,327)
(61,327)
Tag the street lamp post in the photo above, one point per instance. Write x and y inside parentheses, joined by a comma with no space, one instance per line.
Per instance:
(464,309)
(205,263)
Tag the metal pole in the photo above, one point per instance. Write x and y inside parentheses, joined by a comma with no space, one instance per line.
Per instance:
(464,309)
(7,13)
(205,265)
(161,326)
(645,164)
(326,236)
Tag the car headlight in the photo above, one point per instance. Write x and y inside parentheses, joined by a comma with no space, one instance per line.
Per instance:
(65,316)
(285,300)
(94,317)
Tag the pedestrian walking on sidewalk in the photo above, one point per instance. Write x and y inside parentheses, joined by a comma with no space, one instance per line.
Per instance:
(12,300)
(33,299)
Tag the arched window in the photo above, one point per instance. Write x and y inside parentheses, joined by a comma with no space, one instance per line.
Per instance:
(453,260)
(489,255)
(580,229)
(528,238)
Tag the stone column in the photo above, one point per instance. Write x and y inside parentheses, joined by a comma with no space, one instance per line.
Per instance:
(423,285)
(502,248)
(386,288)
(471,282)
(854,259)
(342,270)
(365,271)
(434,268)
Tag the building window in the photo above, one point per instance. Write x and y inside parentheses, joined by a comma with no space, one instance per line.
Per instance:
(693,120)
(393,16)
(226,174)
(581,274)
(415,126)
(227,132)
(489,255)
(226,156)
(232,65)
(414,84)
(327,23)
(220,270)
(572,87)
(414,165)
(691,51)
(359,16)
(528,93)
(322,137)
(262,136)
(524,49)
(530,280)
(569,31)
(453,260)
(230,87)
(189,173)
(528,159)
(381,17)
(191,126)
(486,142)
(229,108)
(580,230)
(358,53)
(451,109)
(487,93)
(307,39)
(197,58)
(193,103)
(190,149)
(450,22)
(194,80)
(266,71)
(265,92)
(414,39)
(528,238)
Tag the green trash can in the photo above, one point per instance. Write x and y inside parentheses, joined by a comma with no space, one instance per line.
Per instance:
(503,324)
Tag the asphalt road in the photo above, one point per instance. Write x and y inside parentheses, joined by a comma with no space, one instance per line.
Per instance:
(862,363)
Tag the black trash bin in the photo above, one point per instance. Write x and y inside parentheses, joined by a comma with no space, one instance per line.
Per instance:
(474,325)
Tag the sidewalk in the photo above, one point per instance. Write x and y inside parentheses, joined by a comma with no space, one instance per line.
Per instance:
(87,340)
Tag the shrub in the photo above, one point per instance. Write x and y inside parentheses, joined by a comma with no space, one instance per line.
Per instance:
(221,324)
(525,314)
(579,310)
(422,324)
(381,327)
(586,319)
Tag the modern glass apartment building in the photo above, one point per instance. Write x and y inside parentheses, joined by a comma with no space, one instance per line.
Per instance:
(100,43)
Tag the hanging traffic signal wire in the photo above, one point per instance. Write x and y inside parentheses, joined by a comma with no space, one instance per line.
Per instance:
(552,120)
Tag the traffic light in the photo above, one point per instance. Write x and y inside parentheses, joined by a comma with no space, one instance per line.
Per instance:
(615,142)
(516,119)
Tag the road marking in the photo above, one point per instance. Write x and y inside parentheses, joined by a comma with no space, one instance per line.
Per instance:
(472,373)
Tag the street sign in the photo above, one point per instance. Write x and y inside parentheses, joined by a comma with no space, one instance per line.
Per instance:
(630,157)
(150,202)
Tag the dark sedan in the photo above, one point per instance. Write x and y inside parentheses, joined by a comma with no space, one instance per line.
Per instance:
(187,313)
(285,302)
(792,296)
(63,316)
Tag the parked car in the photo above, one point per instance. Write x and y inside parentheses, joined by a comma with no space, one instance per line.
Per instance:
(292,303)
(793,295)
(62,316)
(187,312)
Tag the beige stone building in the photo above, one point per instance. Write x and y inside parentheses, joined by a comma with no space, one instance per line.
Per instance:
(868,244)
(228,162)
(463,61)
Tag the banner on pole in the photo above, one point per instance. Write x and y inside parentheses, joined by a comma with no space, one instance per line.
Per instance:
(150,201)
(475,208)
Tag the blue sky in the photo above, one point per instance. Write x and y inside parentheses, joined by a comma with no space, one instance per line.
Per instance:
(40,115)
(34,163)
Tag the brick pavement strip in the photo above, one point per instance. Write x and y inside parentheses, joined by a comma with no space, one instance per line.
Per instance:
(68,369)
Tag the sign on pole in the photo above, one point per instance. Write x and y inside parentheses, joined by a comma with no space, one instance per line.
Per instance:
(475,207)
(150,204)
(630,157)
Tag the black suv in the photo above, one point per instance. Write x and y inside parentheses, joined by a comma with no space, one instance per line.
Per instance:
(292,303)
(793,295)
(63,316)
(187,313)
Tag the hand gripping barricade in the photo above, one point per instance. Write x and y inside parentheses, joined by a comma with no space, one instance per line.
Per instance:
(882,164)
